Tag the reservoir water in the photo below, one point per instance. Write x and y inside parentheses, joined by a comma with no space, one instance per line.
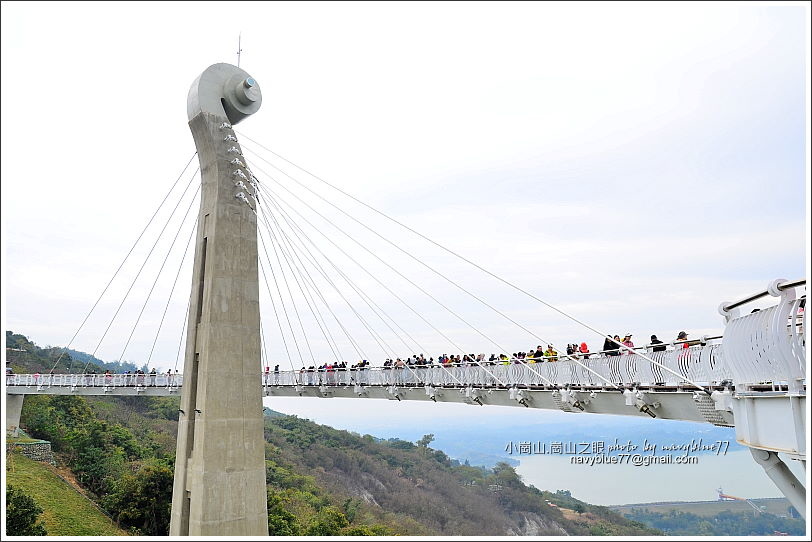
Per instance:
(607,484)
(484,435)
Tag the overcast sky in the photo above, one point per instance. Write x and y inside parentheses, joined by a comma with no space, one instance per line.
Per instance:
(635,165)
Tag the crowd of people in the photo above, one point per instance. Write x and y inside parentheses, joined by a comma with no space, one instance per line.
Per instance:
(612,346)
(142,378)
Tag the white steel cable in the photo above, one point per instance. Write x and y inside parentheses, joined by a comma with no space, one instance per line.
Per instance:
(411,282)
(308,298)
(284,214)
(141,268)
(367,299)
(123,262)
(434,271)
(278,320)
(517,288)
(182,333)
(281,298)
(158,275)
(292,299)
(174,283)
(376,336)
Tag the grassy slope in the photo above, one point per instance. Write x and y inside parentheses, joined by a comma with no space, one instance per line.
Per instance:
(65,510)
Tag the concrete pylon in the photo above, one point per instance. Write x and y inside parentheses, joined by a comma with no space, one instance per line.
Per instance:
(14,407)
(219,486)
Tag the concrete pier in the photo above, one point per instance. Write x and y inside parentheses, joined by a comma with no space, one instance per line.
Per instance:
(14,407)
(219,487)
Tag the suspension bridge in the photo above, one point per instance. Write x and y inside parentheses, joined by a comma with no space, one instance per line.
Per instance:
(250,224)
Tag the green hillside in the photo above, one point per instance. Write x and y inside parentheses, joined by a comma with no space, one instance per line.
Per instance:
(412,486)
(66,512)
(726,523)
(321,481)
(25,356)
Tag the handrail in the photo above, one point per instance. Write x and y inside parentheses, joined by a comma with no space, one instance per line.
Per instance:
(767,345)
(705,361)
(780,286)
(698,363)
(691,342)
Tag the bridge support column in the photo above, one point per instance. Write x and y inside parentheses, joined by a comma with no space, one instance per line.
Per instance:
(14,407)
(219,488)
(783,478)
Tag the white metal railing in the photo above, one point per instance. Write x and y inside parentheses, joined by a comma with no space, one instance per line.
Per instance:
(701,363)
(767,346)
(698,363)
(92,380)
(763,347)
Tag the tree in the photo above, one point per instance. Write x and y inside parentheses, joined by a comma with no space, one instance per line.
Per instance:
(505,475)
(97,461)
(426,440)
(358,530)
(580,508)
(21,514)
(328,522)
(281,522)
(350,508)
(143,500)
(423,443)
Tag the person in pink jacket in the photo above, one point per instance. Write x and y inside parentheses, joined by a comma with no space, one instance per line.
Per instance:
(627,341)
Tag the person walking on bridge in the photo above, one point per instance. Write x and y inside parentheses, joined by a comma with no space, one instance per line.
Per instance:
(683,354)
(610,346)
(399,366)
(631,357)
(627,342)
(538,355)
(657,372)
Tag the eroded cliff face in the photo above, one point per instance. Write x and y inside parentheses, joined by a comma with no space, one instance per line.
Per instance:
(378,491)
(532,524)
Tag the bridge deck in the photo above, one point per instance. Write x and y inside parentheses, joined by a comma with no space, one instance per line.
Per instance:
(626,384)
(700,364)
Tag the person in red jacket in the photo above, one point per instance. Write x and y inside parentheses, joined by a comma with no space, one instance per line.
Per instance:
(684,354)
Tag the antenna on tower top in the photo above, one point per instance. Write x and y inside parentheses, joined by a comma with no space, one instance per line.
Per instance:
(239,48)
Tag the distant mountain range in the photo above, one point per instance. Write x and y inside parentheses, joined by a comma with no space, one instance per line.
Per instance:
(464,439)
(23,352)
